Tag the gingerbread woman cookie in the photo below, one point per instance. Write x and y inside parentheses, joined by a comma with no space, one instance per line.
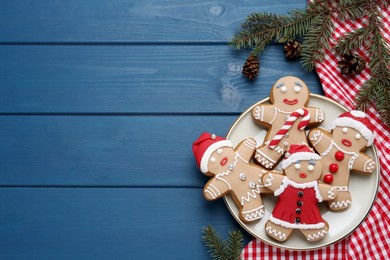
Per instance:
(342,152)
(287,117)
(299,193)
(231,172)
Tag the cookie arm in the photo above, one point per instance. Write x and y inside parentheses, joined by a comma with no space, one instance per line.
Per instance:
(319,139)
(317,115)
(216,188)
(246,149)
(327,192)
(364,164)
(272,180)
(264,114)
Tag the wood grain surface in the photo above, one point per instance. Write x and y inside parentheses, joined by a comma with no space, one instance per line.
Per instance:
(100,101)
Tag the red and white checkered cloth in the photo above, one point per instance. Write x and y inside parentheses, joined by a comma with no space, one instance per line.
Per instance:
(372,239)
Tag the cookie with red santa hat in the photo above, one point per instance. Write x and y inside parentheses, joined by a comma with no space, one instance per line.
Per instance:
(231,172)
(299,193)
(342,151)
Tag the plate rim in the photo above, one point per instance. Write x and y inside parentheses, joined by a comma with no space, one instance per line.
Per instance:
(243,225)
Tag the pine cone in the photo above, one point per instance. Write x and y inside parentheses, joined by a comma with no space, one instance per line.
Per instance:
(292,49)
(351,64)
(251,67)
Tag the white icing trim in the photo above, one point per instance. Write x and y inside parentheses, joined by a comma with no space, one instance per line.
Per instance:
(242,159)
(294,225)
(369,166)
(282,236)
(317,235)
(264,155)
(282,187)
(340,204)
(351,161)
(254,214)
(341,188)
(352,123)
(357,113)
(209,192)
(331,194)
(215,188)
(299,156)
(206,156)
(251,194)
(318,194)
(275,114)
(317,137)
(268,181)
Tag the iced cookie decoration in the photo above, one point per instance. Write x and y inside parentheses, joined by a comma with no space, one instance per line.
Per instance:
(342,151)
(299,193)
(231,172)
(286,119)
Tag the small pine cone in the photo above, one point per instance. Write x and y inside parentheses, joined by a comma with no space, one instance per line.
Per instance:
(351,64)
(292,49)
(251,67)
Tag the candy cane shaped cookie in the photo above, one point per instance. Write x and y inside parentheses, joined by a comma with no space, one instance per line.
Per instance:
(301,112)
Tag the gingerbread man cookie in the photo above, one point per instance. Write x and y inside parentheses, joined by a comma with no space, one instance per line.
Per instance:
(299,193)
(231,172)
(342,152)
(287,117)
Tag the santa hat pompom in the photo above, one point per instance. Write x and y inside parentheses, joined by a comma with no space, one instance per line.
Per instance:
(357,120)
(299,152)
(205,145)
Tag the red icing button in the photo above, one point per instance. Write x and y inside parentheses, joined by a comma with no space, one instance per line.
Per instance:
(333,168)
(328,178)
(339,156)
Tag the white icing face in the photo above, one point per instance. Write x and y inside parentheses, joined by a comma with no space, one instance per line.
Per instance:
(349,139)
(306,172)
(220,159)
(290,93)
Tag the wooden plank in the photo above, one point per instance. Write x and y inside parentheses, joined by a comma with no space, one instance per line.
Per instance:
(136,79)
(129,21)
(136,151)
(74,223)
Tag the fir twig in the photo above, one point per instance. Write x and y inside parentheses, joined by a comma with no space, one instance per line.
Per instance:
(234,244)
(315,26)
(223,250)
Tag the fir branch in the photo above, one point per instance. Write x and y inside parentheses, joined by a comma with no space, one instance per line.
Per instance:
(316,41)
(214,242)
(353,40)
(223,250)
(234,244)
(376,90)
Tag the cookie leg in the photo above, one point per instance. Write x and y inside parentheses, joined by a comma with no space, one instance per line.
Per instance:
(277,232)
(342,201)
(315,234)
(249,213)
(267,157)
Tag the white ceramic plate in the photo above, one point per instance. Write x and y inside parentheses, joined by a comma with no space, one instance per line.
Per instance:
(363,188)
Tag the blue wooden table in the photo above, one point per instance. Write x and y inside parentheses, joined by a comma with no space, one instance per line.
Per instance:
(100,101)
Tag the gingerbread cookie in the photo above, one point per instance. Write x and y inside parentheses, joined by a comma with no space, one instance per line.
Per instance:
(299,193)
(286,119)
(232,172)
(342,152)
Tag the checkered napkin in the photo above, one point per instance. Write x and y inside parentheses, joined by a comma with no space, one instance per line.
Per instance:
(372,239)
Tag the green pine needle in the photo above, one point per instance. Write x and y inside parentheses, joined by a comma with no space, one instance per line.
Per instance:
(230,249)
(315,26)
